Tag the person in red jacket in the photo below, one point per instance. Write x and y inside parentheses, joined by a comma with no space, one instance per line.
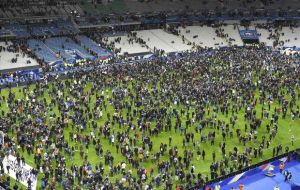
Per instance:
(281,166)
(241,186)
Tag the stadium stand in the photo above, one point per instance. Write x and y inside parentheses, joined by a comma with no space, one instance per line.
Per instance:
(67,49)
(18,30)
(265,36)
(127,45)
(289,37)
(57,45)
(159,39)
(53,28)
(233,37)
(42,51)
(92,46)
(203,36)
(12,58)
(31,8)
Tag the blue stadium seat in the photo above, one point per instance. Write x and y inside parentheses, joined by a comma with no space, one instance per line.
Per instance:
(91,45)
(42,51)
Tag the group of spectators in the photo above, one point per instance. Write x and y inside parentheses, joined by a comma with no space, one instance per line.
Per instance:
(13,48)
(275,32)
(119,111)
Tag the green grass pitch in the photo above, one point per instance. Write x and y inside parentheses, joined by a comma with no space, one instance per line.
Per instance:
(286,127)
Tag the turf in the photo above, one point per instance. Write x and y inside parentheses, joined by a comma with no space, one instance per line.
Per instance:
(12,182)
(286,128)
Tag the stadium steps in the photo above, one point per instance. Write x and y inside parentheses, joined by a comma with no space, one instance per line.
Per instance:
(165,42)
(2,14)
(91,45)
(233,33)
(185,38)
(44,53)
(8,13)
(79,10)
(50,49)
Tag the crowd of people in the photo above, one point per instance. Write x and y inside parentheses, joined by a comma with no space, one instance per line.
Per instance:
(154,121)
